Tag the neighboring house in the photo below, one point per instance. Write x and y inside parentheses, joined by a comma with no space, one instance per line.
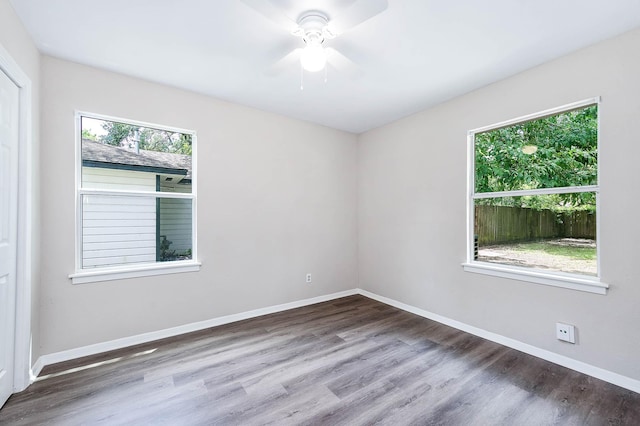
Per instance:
(120,230)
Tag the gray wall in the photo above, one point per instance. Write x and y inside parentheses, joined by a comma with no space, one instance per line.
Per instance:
(15,40)
(276,199)
(412,195)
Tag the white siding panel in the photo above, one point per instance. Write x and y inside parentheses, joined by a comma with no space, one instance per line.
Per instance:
(119,252)
(118,230)
(123,201)
(102,238)
(130,230)
(106,216)
(115,261)
(99,178)
(105,207)
(124,223)
(115,245)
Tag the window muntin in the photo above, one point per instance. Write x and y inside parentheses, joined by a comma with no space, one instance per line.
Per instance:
(136,195)
(533,192)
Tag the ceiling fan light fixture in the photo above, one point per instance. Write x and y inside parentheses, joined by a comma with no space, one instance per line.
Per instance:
(314,57)
(312,25)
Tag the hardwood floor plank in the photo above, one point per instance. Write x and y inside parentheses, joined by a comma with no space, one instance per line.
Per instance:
(351,361)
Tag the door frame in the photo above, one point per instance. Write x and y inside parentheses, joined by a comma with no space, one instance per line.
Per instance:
(22,357)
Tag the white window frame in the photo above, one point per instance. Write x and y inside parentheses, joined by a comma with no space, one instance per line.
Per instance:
(539,276)
(81,276)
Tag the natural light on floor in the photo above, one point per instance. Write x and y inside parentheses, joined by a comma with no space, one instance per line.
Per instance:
(94,365)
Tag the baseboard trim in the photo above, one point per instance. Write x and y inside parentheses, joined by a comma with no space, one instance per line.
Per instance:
(579,366)
(36,369)
(593,371)
(56,357)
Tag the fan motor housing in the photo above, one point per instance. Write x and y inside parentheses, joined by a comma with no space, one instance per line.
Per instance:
(311,24)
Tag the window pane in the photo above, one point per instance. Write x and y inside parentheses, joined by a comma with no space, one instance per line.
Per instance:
(175,242)
(553,232)
(125,230)
(119,156)
(551,152)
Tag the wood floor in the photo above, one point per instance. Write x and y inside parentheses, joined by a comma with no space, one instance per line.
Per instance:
(350,361)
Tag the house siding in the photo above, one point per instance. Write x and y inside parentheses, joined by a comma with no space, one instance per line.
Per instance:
(104,178)
(118,230)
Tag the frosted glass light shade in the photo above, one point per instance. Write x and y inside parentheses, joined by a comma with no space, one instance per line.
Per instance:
(314,58)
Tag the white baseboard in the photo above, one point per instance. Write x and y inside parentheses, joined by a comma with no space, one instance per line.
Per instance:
(36,369)
(124,342)
(597,372)
(588,369)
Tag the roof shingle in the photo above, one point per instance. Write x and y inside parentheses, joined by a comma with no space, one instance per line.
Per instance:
(171,163)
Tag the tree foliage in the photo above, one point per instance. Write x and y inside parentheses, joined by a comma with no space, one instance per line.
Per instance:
(86,134)
(551,152)
(126,135)
(117,133)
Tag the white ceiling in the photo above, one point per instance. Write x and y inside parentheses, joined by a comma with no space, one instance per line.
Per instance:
(414,55)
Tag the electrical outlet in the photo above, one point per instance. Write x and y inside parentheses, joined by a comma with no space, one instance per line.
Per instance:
(565,332)
(308,278)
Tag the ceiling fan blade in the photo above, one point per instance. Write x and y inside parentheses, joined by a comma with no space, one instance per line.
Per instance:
(273,13)
(343,64)
(356,14)
(290,61)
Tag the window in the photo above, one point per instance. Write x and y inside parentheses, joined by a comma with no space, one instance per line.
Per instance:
(135,199)
(533,190)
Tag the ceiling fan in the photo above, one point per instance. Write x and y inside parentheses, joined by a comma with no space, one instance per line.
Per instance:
(314,27)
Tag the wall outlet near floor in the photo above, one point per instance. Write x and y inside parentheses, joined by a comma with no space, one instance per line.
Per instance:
(565,332)
(308,278)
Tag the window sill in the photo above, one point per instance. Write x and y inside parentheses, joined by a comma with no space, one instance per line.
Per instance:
(120,273)
(570,281)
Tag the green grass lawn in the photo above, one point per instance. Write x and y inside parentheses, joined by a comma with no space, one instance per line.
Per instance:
(578,253)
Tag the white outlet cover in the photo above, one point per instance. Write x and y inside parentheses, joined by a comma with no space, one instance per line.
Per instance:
(565,332)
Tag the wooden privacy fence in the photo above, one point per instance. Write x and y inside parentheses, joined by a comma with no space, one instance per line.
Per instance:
(500,224)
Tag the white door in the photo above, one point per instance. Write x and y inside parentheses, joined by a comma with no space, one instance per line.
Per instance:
(8,230)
